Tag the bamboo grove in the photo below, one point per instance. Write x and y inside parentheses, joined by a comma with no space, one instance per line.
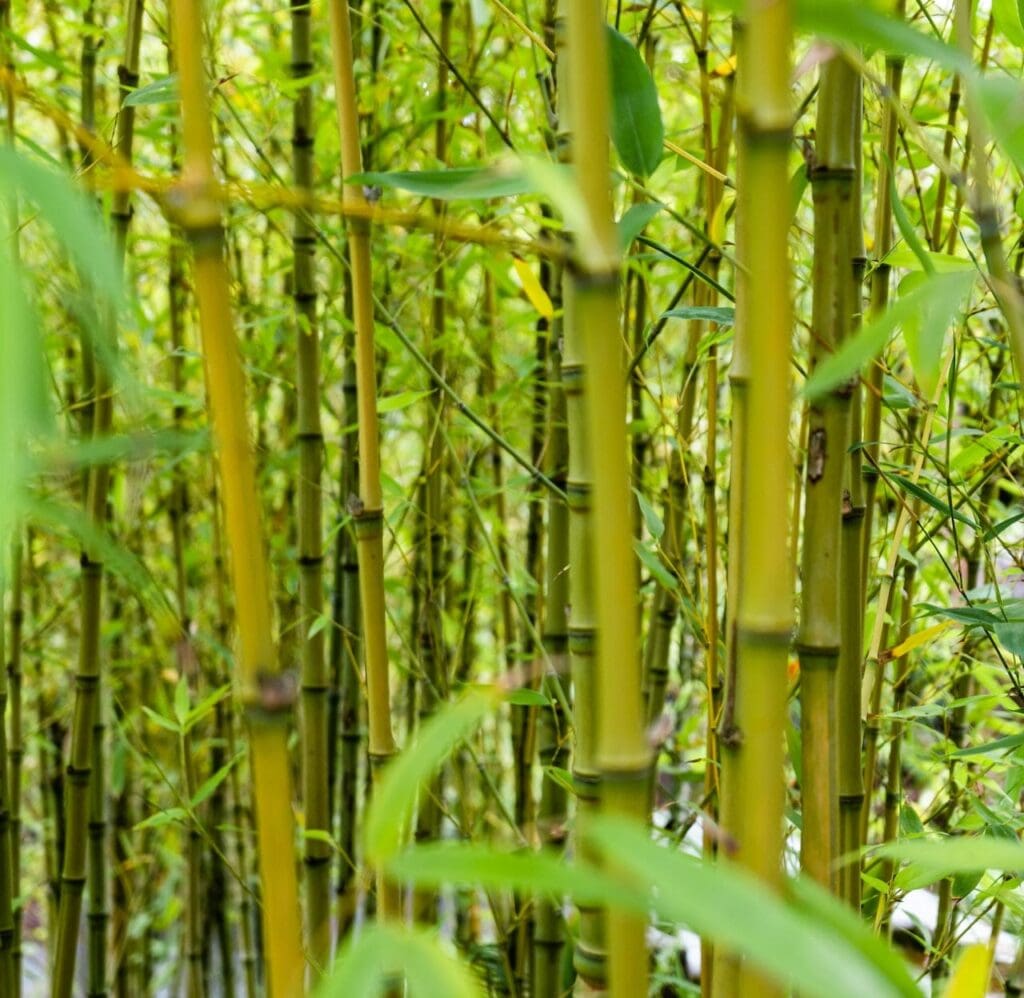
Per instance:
(511,498)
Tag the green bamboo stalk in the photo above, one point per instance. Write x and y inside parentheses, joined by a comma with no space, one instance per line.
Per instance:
(345,658)
(266,695)
(16,746)
(310,543)
(725,966)
(7,923)
(849,788)
(552,747)
(1003,283)
(832,175)
(589,956)
(85,807)
(621,750)
(754,714)
(881,278)
(430,623)
(10,782)
(367,508)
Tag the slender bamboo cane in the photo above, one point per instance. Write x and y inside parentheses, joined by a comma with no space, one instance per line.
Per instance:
(849,789)
(881,277)
(430,623)
(86,804)
(552,750)
(310,544)
(345,657)
(10,908)
(725,966)
(367,509)
(16,749)
(589,956)
(7,923)
(754,712)
(832,176)
(1004,284)
(267,695)
(621,750)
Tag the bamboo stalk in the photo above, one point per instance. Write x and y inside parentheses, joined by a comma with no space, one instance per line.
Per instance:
(367,508)
(832,176)
(849,788)
(310,518)
(267,695)
(754,712)
(622,754)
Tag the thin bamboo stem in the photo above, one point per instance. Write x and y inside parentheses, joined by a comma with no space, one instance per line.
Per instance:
(367,508)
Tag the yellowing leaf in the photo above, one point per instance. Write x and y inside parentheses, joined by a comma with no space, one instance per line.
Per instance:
(970,977)
(538,296)
(916,640)
(726,67)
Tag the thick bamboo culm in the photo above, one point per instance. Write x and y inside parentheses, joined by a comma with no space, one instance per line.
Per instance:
(755,708)
(367,509)
(621,749)
(832,175)
(268,697)
(315,748)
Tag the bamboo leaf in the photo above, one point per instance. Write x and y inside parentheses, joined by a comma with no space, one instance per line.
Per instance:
(721,315)
(373,960)
(1011,636)
(650,514)
(920,638)
(470,183)
(393,801)
(634,221)
(171,816)
(1002,100)
(159,720)
(537,296)
(971,974)
(653,563)
(637,130)
(856,23)
(393,403)
(919,492)
(734,909)
(181,699)
(461,863)
(203,708)
(209,786)
(933,859)
(999,745)
(161,91)
(907,229)
(526,697)
(1008,19)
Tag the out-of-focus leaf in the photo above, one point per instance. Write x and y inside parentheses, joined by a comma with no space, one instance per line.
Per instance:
(393,800)
(634,221)
(470,183)
(378,956)
(729,906)
(971,974)
(161,91)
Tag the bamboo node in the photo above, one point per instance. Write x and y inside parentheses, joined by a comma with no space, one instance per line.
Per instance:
(276,692)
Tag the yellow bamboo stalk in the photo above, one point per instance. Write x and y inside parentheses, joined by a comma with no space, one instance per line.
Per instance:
(267,695)
(367,510)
